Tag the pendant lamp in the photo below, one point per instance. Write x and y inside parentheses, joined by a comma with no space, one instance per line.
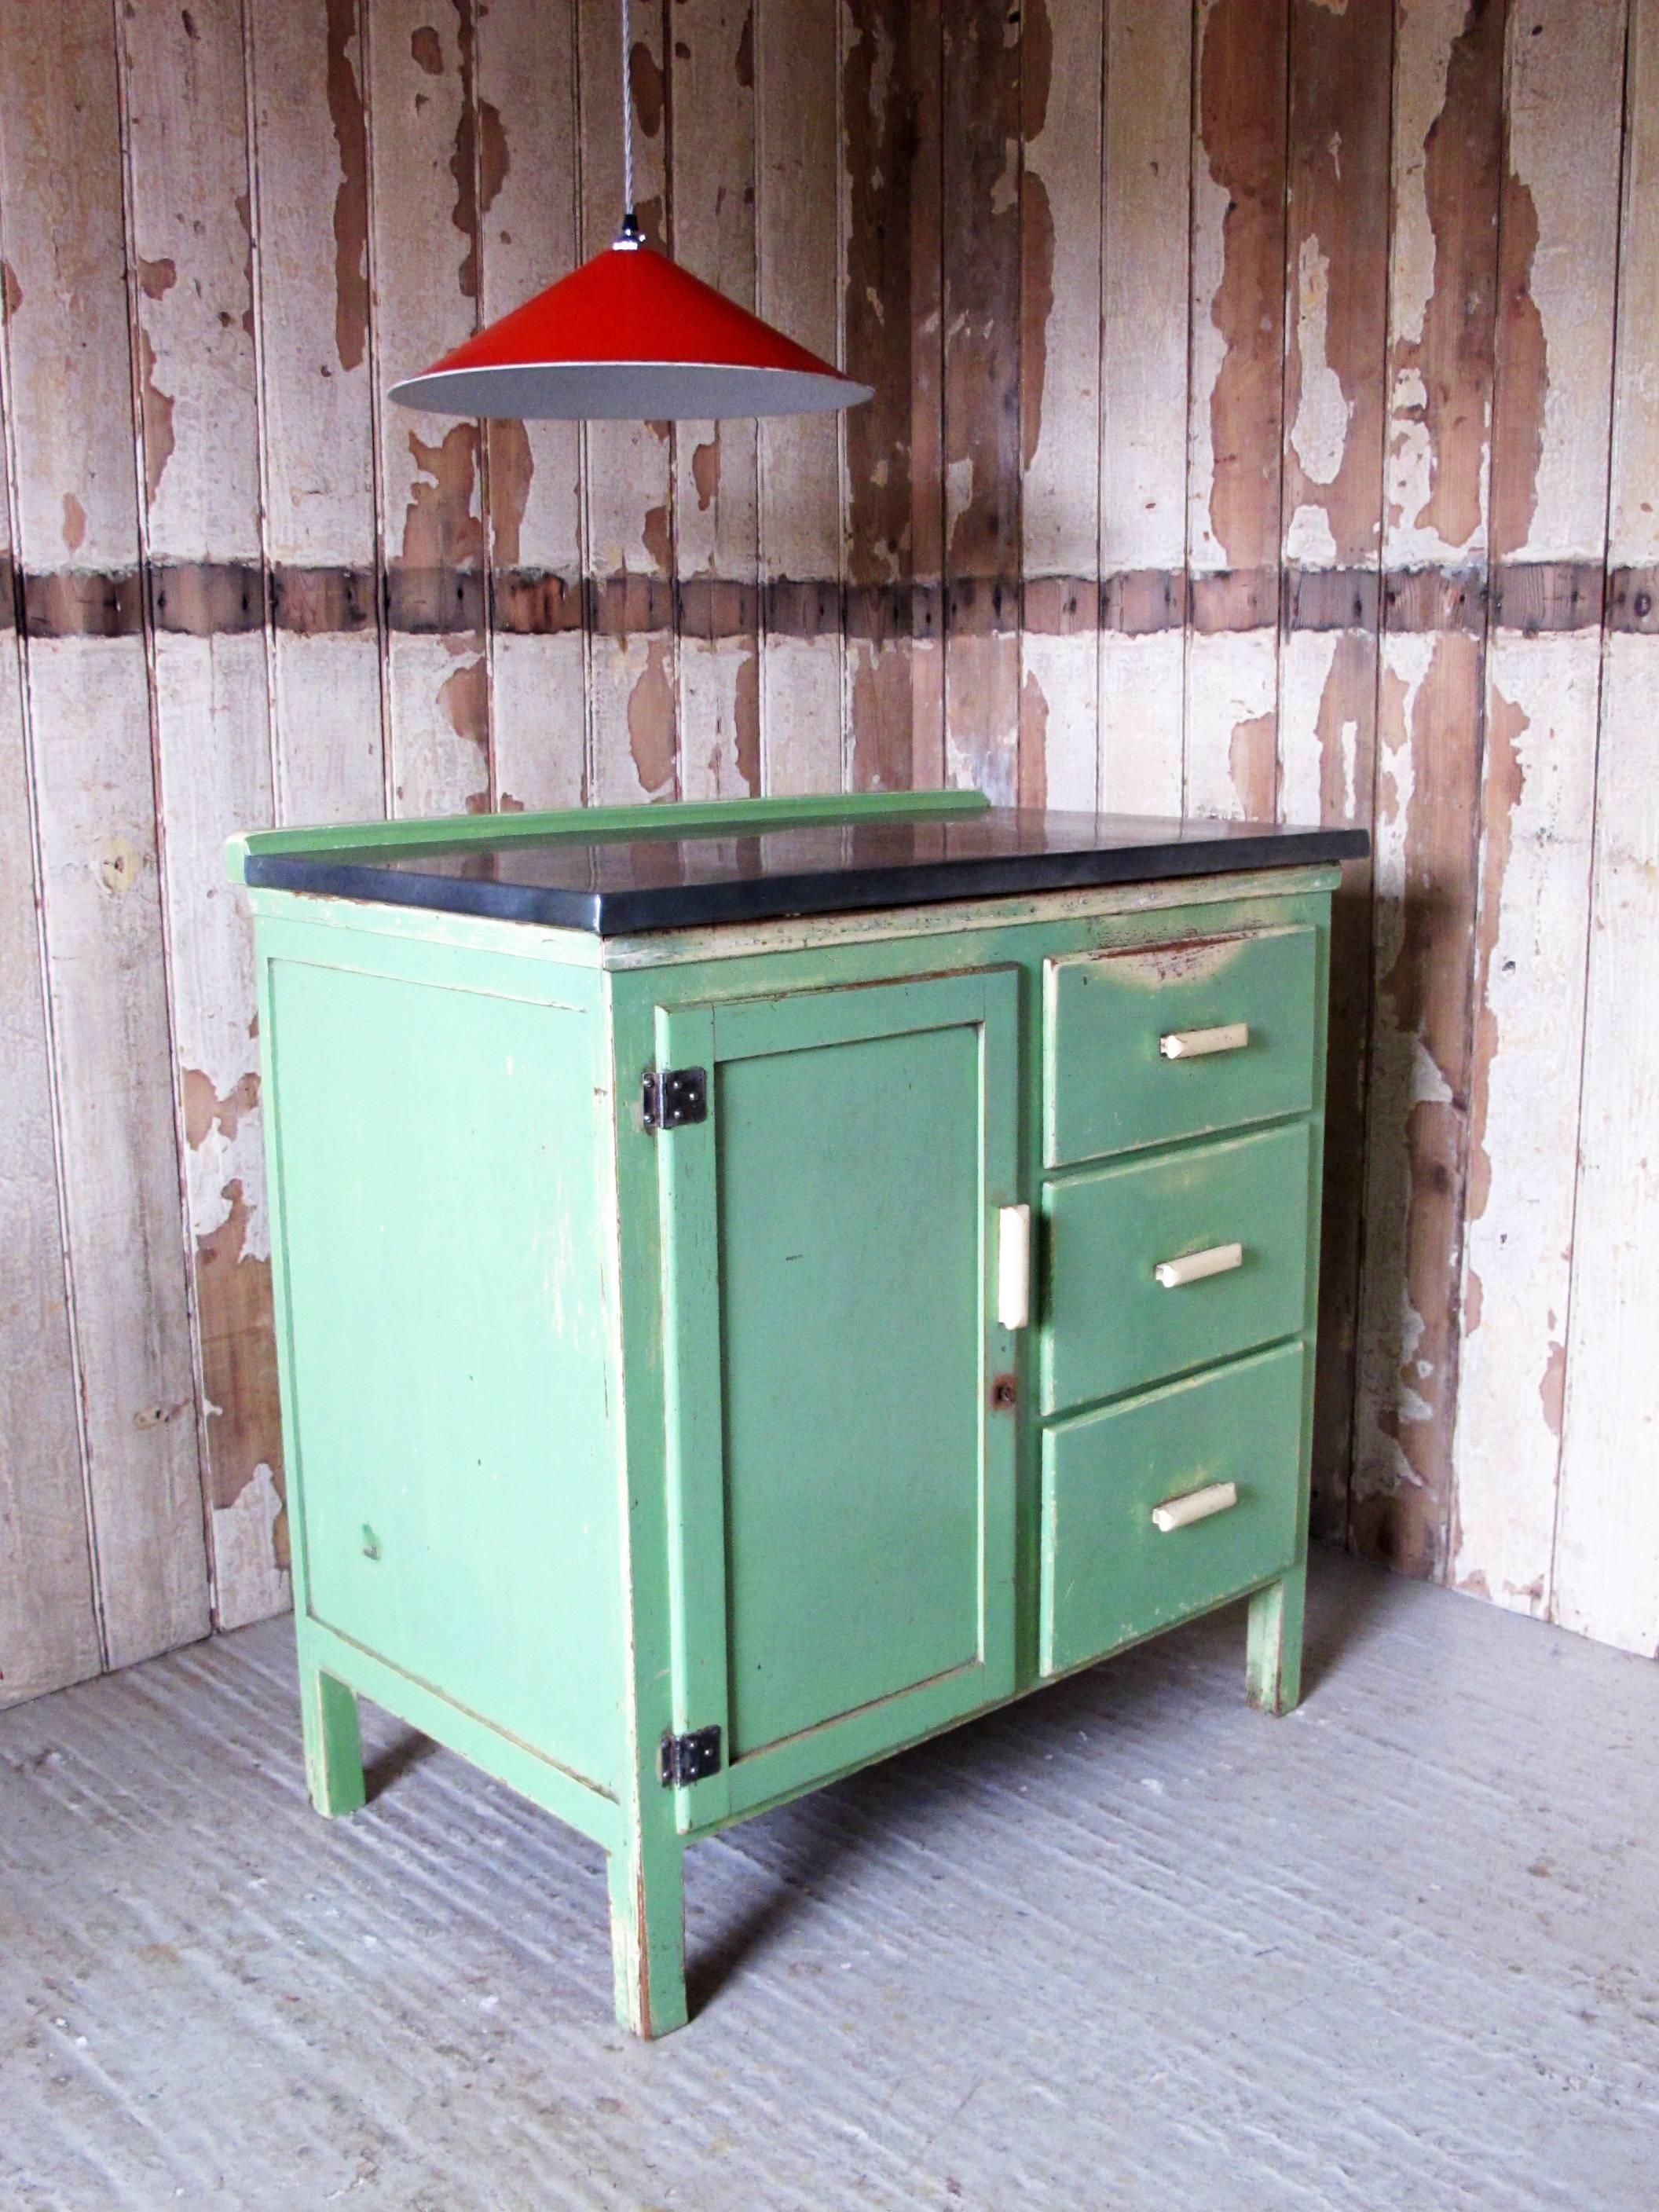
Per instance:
(629,334)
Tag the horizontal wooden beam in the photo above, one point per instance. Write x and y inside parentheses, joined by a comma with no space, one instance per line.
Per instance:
(215,598)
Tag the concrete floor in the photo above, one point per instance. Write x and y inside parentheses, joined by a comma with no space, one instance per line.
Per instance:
(1127,1945)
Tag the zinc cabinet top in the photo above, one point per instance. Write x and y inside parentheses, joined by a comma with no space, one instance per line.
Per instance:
(610,870)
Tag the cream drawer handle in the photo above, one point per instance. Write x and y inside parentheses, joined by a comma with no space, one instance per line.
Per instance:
(1193,1044)
(1193,1267)
(1014,1266)
(1197,1505)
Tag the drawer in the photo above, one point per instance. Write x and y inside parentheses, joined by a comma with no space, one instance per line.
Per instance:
(1110,1324)
(1154,1043)
(1109,1573)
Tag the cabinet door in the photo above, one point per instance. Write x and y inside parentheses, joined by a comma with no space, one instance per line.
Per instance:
(841,1484)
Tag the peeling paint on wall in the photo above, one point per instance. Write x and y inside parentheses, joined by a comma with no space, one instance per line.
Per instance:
(512,471)
(346,117)
(1238,257)
(155,413)
(1419,1095)
(651,719)
(1531,949)
(1448,134)
(440,527)
(1034,523)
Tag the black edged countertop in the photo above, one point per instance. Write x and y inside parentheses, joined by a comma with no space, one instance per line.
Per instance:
(666,867)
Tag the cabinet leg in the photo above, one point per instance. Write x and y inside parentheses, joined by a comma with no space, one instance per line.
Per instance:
(1274,1661)
(334,1757)
(647,1934)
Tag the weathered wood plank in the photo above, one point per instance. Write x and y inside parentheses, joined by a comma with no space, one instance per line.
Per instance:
(209,597)
(1236,400)
(90,707)
(982,168)
(1238,178)
(887,292)
(527,239)
(48,1620)
(1232,725)
(1336,280)
(1143,684)
(1558,246)
(627,467)
(924,28)
(1145,298)
(1061,61)
(310,135)
(192,219)
(713,196)
(1147,291)
(423,248)
(1322,691)
(796,197)
(1447,161)
(311,143)
(1336,288)
(1417,1109)
(1327,682)
(1531,943)
(70,395)
(1633,512)
(189,200)
(1607,1551)
(1447,167)
(211,708)
(1559,257)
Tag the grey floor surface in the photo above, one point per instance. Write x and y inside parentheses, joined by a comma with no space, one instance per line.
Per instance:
(1129,1944)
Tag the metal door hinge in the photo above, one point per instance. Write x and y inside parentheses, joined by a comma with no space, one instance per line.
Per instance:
(671,1097)
(689,1758)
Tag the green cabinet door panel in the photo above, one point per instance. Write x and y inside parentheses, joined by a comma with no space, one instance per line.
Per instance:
(441,1245)
(1109,1573)
(835,1218)
(1110,1325)
(1125,1031)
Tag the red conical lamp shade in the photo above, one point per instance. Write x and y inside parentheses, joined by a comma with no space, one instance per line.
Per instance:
(629,334)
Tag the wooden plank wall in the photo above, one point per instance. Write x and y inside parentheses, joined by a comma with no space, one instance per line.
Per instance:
(1265,424)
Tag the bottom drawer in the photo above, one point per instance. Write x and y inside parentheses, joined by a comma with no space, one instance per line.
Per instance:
(1110,1573)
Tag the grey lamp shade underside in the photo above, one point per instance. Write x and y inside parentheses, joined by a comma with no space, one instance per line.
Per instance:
(628,391)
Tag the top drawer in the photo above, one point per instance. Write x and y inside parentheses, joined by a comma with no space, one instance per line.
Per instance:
(1153,1043)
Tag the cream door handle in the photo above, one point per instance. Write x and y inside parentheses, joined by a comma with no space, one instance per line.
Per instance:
(1014,1266)
(1193,1267)
(1193,1044)
(1197,1505)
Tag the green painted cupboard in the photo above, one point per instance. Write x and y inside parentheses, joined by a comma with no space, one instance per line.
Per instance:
(757,1284)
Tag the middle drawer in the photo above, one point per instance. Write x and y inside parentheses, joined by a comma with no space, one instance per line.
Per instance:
(1125,1304)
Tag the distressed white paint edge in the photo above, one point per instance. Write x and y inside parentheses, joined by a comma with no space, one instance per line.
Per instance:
(1142,689)
(1065,673)
(1607,1549)
(1147,295)
(1232,680)
(1517,1246)
(1427,32)
(1389,1327)
(1563,111)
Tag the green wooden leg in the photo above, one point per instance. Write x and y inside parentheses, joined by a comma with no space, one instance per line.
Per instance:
(1273,1664)
(334,1757)
(647,1934)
